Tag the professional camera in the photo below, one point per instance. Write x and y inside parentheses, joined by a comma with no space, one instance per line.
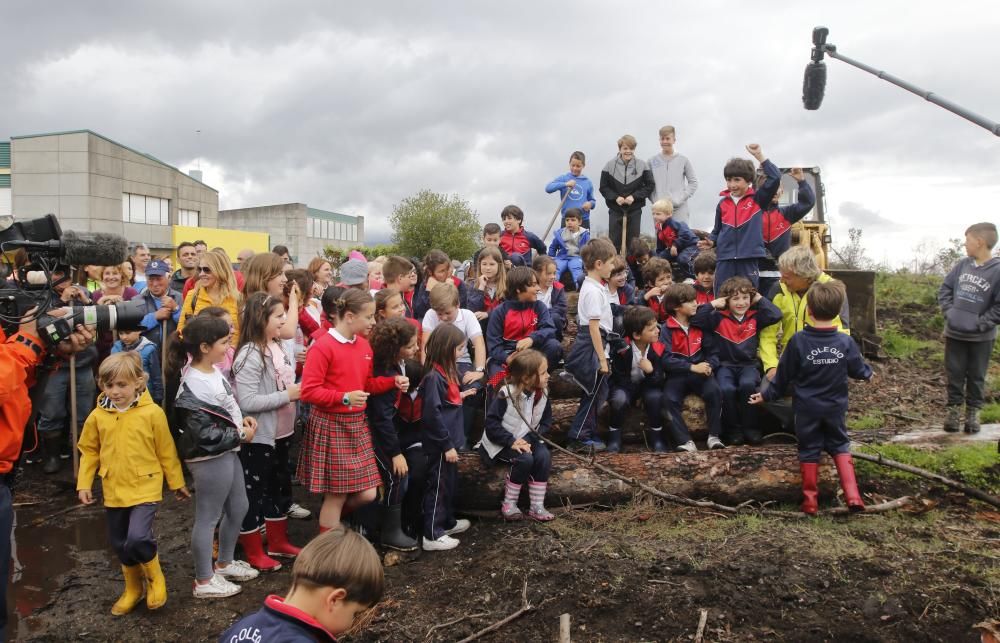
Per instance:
(45,263)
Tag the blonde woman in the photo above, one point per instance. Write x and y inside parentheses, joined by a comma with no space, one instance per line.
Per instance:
(216,286)
(266,273)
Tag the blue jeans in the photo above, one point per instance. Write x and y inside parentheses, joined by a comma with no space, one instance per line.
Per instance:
(6,525)
(54,406)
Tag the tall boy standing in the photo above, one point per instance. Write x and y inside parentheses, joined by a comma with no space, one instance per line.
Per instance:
(673,175)
(580,189)
(970,300)
(626,183)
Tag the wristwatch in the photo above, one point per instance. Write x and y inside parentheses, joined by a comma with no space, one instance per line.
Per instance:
(243,435)
(480,369)
(346,400)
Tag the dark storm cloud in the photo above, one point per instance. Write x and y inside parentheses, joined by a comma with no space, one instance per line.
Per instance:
(354,107)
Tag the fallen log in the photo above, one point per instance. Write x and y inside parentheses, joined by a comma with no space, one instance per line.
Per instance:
(729,476)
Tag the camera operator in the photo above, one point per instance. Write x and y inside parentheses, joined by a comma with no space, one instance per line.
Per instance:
(19,355)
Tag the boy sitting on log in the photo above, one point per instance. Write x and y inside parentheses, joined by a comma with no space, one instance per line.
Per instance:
(637,373)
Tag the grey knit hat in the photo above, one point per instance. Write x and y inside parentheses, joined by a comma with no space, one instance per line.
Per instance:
(354,272)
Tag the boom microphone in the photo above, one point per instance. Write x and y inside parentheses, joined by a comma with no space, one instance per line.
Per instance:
(98,249)
(813,85)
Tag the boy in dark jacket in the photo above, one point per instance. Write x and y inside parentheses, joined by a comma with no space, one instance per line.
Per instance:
(736,319)
(519,323)
(818,360)
(674,240)
(551,292)
(658,275)
(336,577)
(738,235)
(970,300)
(637,373)
(621,291)
(638,255)
(704,276)
(626,183)
(689,365)
(778,222)
(515,240)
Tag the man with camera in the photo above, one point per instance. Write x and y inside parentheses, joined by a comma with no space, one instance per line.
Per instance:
(19,355)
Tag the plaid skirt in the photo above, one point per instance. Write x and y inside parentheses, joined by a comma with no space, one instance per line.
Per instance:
(336,454)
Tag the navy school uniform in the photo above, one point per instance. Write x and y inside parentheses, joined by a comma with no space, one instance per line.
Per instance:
(558,308)
(481,302)
(655,304)
(277,621)
(735,342)
(684,348)
(422,297)
(407,419)
(442,423)
(513,321)
(677,234)
(819,362)
(778,233)
(620,300)
(505,424)
(624,388)
(382,410)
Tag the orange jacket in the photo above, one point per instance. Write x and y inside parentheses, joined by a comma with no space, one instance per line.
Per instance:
(17,371)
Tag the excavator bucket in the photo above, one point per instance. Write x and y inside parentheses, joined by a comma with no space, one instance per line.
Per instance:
(861,298)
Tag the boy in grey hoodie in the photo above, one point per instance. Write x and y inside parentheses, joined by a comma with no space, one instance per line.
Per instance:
(970,300)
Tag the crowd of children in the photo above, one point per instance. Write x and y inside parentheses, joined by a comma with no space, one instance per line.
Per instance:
(384,374)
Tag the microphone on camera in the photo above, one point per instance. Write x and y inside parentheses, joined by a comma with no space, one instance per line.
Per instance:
(98,248)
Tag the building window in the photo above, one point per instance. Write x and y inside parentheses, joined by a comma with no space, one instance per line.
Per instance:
(5,209)
(137,208)
(188,218)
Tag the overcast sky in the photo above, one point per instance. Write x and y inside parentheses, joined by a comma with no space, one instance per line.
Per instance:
(353,109)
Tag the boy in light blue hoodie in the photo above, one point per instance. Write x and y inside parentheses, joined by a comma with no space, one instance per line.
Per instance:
(581,190)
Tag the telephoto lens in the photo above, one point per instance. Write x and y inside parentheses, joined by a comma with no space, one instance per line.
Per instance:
(126,315)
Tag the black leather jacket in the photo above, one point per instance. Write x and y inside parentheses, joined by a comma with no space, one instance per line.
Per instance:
(202,429)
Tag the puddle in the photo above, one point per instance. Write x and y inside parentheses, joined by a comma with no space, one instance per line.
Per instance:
(41,554)
(936,435)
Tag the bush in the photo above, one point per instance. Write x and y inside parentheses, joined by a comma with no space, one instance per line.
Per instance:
(432,221)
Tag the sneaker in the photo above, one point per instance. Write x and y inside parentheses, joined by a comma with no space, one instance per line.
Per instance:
(460,525)
(687,446)
(597,445)
(715,443)
(443,543)
(298,511)
(237,570)
(510,512)
(541,514)
(217,587)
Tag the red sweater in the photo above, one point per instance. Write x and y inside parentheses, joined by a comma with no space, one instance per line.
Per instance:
(334,369)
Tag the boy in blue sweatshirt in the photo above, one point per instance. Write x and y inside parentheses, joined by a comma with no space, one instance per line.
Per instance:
(736,319)
(580,189)
(970,300)
(818,360)
(566,244)
(738,235)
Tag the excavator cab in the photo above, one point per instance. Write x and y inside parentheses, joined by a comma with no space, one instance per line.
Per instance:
(814,232)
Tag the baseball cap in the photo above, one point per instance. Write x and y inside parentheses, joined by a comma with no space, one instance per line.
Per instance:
(157,267)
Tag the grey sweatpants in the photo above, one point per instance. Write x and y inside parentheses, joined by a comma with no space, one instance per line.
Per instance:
(966,364)
(219,493)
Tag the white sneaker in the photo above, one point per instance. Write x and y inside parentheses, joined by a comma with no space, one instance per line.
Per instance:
(297,511)
(237,570)
(687,446)
(443,543)
(460,525)
(715,443)
(217,587)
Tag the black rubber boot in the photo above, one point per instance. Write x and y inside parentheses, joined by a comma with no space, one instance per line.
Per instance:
(392,535)
(655,439)
(614,440)
(53,443)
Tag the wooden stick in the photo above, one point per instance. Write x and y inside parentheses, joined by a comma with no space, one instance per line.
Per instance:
(73,430)
(45,519)
(453,621)
(564,628)
(978,494)
(702,621)
(624,231)
(552,221)
(525,608)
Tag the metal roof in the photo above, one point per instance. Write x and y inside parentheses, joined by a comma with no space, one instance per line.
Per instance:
(330,216)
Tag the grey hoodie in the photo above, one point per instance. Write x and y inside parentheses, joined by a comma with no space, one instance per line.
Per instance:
(675,180)
(258,392)
(970,300)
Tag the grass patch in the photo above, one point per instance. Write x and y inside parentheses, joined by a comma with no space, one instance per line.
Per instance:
(990,413)
(902,346)
(894,290)
(866,422)
(973,464)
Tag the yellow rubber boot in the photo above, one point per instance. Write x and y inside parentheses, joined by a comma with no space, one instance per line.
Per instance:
(156,584)
(133,591)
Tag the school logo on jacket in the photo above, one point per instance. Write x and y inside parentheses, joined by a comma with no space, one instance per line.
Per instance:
(736,332)
(736,215)
(775,225)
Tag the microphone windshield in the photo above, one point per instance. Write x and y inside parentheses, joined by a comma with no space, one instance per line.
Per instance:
(813,85)
(98,249)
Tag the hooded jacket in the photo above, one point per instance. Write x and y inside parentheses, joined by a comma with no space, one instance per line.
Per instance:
(970,300)
(560,250)
(633,178)
(131,450)
(794,317)
(150,356)
(582,192)
(685,348)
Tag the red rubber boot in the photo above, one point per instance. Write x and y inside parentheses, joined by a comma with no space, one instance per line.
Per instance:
(845,469)
(810,492)
(277,539)
(253,547)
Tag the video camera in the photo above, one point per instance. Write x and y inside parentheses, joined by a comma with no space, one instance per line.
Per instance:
(45,263)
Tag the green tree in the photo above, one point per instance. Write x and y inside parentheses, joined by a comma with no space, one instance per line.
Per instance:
(432,221)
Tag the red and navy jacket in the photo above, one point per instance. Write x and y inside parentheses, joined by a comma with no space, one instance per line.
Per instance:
(521,243)
(511,322)
(739,227)
(422,297)
(382,411)
(480,302)
(704,296)
(685,347)
(408,303)
(674,234)
(277,621)
(635,273)
(736,340)
(441,415)
(778,225)
(559,306)
(655,304)
(621,366)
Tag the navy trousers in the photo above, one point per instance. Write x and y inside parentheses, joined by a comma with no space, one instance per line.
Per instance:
(677,388)
(439,495)
(130,530)
(393,486)
(737,384)
(533,466)
(620,398)
(819,433)
(726,268)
